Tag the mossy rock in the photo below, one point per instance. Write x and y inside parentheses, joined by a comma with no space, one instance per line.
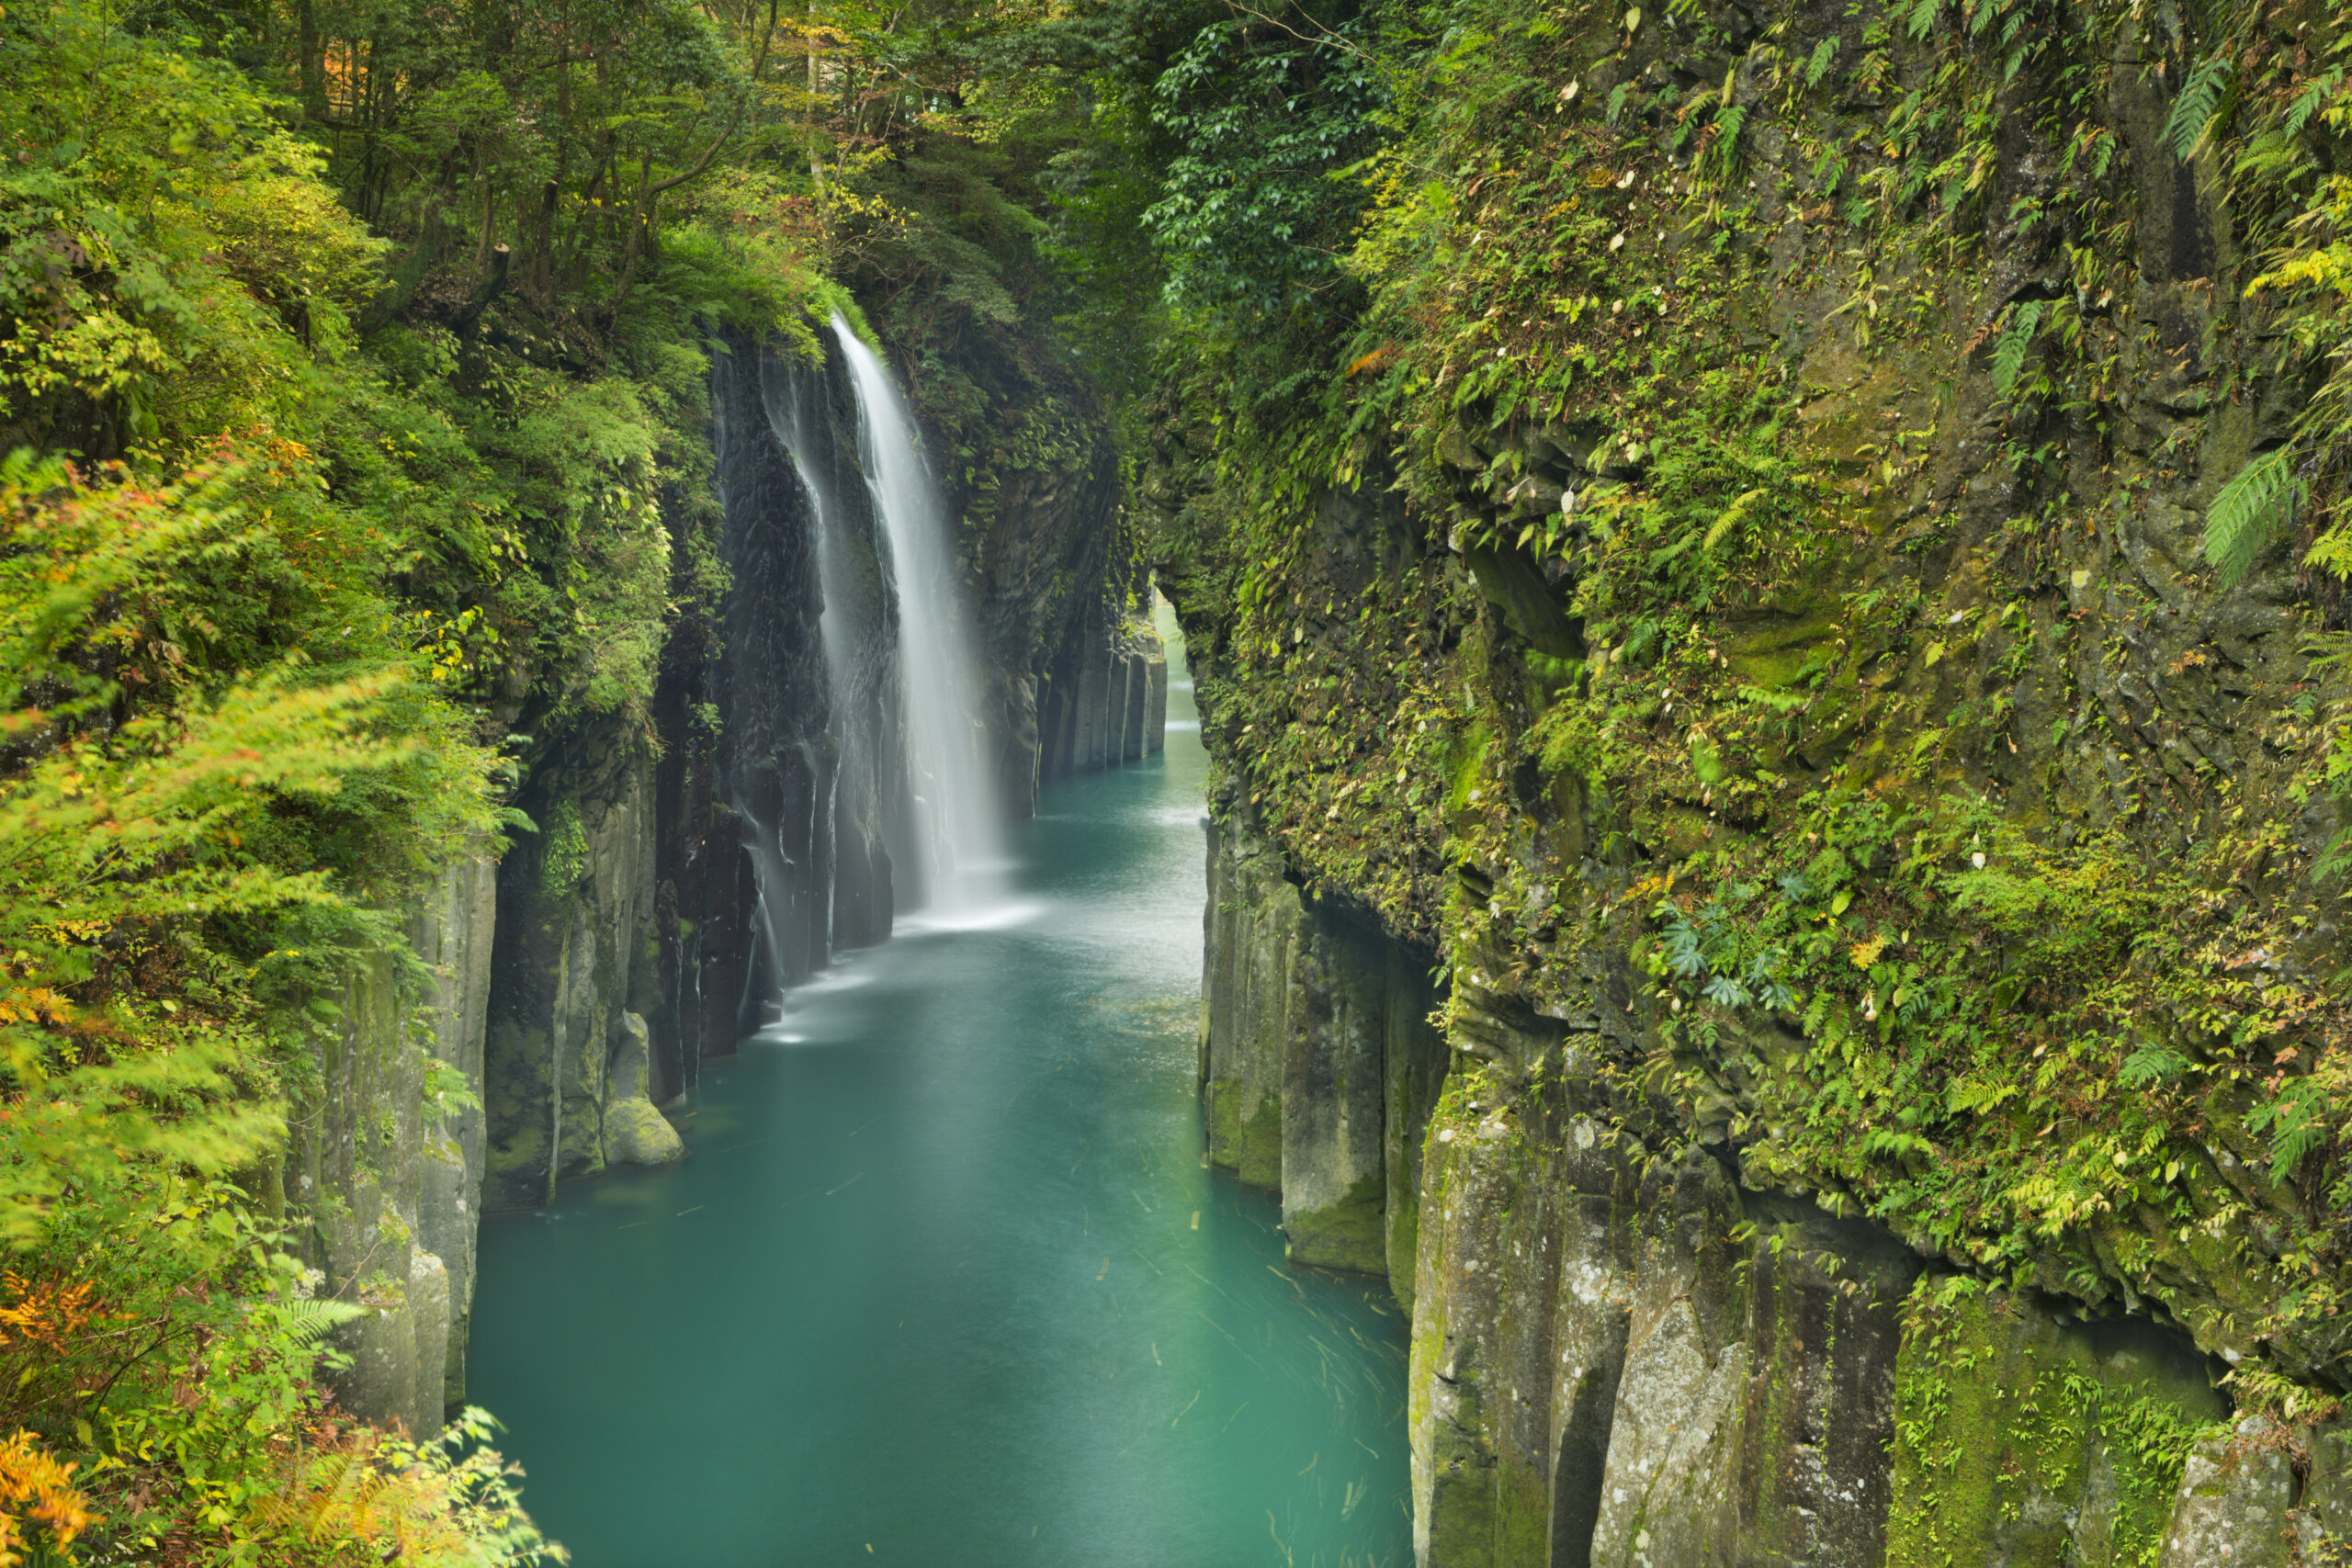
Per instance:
(1350,1234)
(2024,1442)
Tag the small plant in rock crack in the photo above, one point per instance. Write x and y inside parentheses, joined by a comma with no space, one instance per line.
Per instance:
(1700,951)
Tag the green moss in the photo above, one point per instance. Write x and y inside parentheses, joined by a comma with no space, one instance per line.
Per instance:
(1244,1138)
(1350,1234)
(2019,1441)
(1778,655)
(1522,1515)
(1221,1103)
(563,849)
(1260,1155)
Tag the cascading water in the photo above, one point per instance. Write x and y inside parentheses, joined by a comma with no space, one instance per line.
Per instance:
(947,749)
(856,627)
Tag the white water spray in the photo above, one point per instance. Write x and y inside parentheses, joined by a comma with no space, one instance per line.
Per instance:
(947,745)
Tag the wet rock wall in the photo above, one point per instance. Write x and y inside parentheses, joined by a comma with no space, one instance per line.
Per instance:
(1320,1067)
(384,1164)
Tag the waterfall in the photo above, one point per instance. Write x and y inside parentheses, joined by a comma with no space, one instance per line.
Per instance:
(947,746)
(853,775)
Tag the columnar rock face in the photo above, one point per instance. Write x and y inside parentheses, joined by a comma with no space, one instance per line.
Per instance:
(667,901)
(388,1170)
(1318,1065)
(452,931)
(1620,1358)
(575,951)
(1104,699)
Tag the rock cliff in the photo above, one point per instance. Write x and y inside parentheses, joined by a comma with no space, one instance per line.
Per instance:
(678,881)
(1759,877)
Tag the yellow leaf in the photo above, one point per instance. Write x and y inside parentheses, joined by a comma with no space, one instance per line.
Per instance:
(1865,953)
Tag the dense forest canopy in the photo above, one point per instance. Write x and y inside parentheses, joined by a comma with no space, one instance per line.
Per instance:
(355,364)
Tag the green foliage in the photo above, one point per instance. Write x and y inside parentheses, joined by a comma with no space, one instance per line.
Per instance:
(1250,206)
(1749,701)
(2248,513)
(143,853)
(2010,354)
(2203,98)
(565,851)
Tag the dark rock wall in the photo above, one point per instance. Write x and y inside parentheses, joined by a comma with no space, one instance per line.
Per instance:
(1077,678)
(1102,700)
(672,893)
(762,840)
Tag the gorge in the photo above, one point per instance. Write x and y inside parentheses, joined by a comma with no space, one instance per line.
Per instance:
(639,629)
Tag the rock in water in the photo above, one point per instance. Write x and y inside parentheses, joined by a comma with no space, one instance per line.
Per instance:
(635,1133)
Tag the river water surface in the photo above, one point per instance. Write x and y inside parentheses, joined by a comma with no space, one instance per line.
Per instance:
(945,1281)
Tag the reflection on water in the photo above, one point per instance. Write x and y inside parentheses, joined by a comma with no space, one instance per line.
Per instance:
(945,1280)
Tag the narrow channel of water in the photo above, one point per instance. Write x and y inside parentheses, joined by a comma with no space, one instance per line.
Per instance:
(944,1281)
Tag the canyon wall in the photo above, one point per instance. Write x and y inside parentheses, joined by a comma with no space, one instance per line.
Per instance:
(1759,875)
(678,881)
(1626,1355)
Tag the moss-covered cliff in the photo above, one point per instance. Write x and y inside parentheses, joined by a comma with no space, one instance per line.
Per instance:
(1762,576)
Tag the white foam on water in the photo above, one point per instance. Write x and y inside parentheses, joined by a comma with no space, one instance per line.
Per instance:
(990,918)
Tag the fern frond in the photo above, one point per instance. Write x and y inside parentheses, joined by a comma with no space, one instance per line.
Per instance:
(1818,66)
(2201,99)
(2248,513)
(1923,16)
(1726,149)
(2300,113)
(2332,551)
(2009,354)
(1730,519)
(311,1321)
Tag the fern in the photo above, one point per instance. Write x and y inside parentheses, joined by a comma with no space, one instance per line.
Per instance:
(2335,860)
(2009,354)
(2300,113)
(2332,551)
(2153,1063)
(2248,513)
(1731,518)
(1727,148)
(1818,66)
(1923,16)
(2297,1121)
(2202,98)
(307,1321)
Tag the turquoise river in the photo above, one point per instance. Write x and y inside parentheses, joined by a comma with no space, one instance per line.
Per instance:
(945,1280)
